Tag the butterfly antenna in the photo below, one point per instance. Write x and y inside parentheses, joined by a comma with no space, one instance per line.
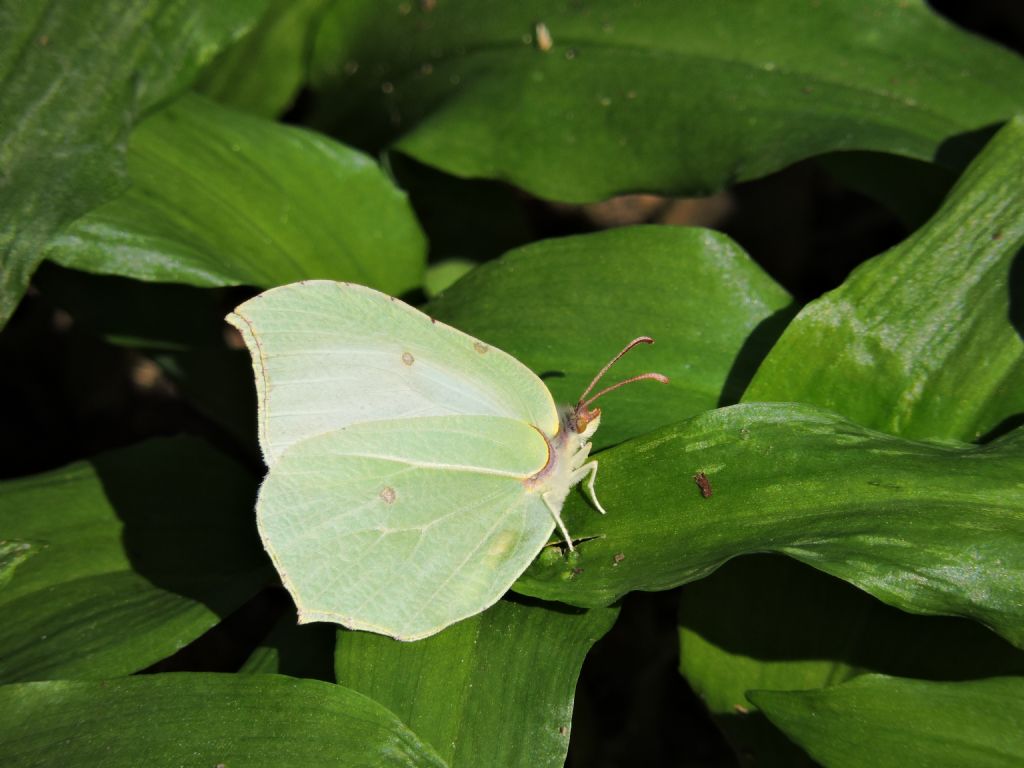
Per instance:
(583,404)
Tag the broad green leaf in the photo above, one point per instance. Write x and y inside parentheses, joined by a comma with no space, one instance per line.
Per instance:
(890,721)
(936,529)
(924,340)
(75,77)
(565,306)
(142,550)
(579,102)
(262,72)
(771,622)
(202,720)
(495,689)
(224,198)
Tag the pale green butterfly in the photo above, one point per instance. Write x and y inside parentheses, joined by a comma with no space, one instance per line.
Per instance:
(414,471)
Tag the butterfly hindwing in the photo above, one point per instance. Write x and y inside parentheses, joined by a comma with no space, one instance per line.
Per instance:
(404,527)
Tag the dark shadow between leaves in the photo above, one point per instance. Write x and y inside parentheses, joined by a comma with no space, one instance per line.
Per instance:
(773,608)
(188,520)
(754,350)
(958,151)
(547,605)
(757,741)
(1004,427)
(1016,280)
(552,375)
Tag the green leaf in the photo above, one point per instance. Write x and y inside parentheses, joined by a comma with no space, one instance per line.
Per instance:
(143,550)
(263,71)
(75,77)
(924,340)
(771,622)
(889,721)
(441,276)
(223,198)
(668,96)
(495,689)
(935,529)
(202,720)
(565,306)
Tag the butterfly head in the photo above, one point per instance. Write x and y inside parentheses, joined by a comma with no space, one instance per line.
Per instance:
(582,420)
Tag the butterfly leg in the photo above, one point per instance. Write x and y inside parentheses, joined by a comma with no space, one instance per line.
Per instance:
(590,468)
(558,519)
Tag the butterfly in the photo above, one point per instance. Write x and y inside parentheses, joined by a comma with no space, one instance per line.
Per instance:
(414,471)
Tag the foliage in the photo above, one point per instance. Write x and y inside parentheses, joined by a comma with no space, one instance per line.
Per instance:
(164,160)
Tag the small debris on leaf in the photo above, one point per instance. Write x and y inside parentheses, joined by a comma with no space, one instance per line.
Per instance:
(704,484)
(543,37)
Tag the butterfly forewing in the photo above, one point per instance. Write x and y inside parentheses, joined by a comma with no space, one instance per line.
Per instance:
(327,355)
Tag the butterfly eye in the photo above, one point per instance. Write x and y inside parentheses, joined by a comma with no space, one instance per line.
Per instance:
(584,416)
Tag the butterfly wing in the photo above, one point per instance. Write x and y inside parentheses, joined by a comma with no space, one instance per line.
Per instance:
(404,527)
(327,355)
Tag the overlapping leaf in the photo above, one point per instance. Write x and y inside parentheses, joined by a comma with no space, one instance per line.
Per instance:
(495,689)
(565,306)
(202,719)
(769,622)
(926,340)
(927,528)
(223,198)
(75,76)
(579,102)
(263,71)
(140,551)
(892,722)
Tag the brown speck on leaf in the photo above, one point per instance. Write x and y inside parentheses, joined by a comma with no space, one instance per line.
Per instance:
(387,87)
(480,347)
(562,730)
(704,484)
(407,358)
(618,558)
(428,5)
(44,40)
(387,493)
(997,235)
(575,572)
